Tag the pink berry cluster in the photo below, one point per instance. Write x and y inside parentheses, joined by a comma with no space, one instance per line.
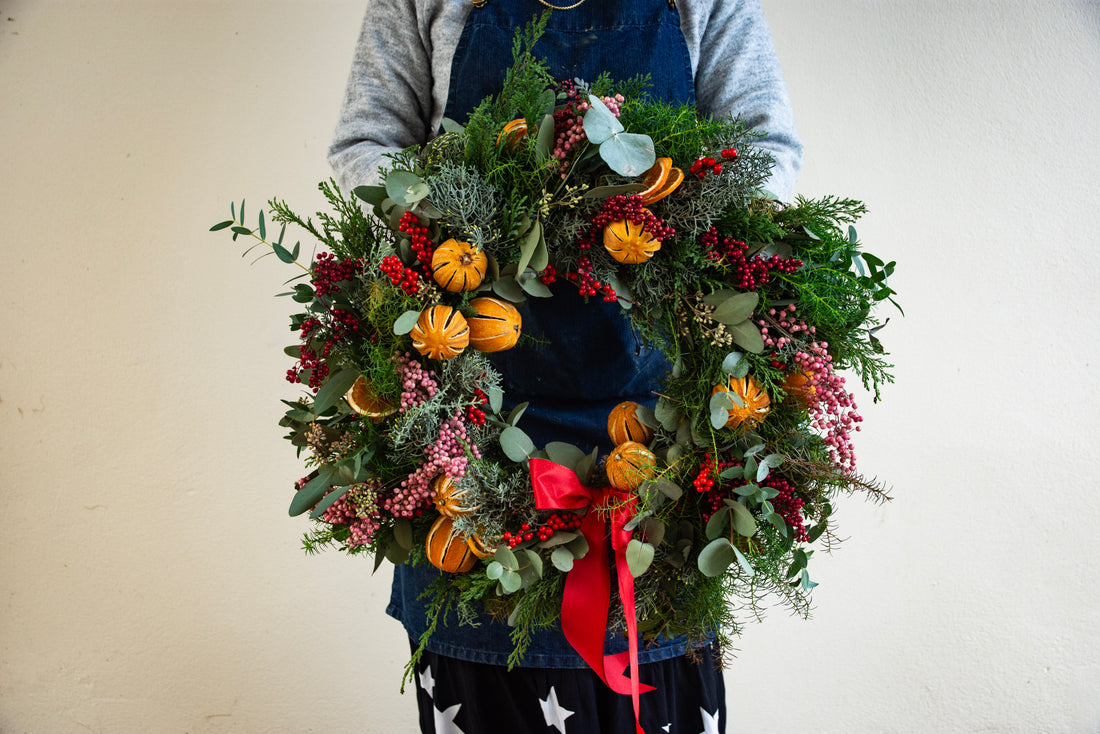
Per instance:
(747,273)
(832,408)
(447,455)
(328,272)
(569,125)
(782,326)
(417,383)
(358,509)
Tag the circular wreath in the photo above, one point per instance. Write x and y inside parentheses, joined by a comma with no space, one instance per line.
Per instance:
(717,489)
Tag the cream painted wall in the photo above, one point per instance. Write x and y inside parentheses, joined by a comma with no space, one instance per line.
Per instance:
(150,580)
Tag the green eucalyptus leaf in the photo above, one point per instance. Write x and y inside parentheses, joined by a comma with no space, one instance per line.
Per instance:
(494,570)
(544,142)
(240,230)
(496,398)
(452,126)
(565,454)
(528,244)
(562,558)
(534,561)
(509,290)
(716,557)
(716,525)
(404,323)
(511,581)
(806,583)
(667,414)
(516,444)
(505,557)
(373,195)
(578,547)
(403,187)
(531,285)
(328,501)
(403,532)
(557,539)
(311,492)
(333,389)
(517,413)
(744,562)
(222,225)
(743,521)
(395,554)
(654,531)
(733,362)
(584,467)
(599,122)
(736,308)
(749,471)
(747,336)
(639,556)
(628,154)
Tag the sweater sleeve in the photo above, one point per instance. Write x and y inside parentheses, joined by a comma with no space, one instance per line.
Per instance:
(737,73)
(388,101)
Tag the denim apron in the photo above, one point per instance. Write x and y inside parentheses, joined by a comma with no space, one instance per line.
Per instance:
(588,358)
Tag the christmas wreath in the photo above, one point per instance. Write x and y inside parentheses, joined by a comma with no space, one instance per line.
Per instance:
(714,493)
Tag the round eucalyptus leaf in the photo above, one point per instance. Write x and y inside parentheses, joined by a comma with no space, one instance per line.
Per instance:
(628,154)
(716,557)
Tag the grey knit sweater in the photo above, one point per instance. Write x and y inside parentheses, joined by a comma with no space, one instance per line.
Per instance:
(397,89)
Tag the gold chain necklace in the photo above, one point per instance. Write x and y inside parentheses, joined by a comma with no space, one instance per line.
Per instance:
(566,7)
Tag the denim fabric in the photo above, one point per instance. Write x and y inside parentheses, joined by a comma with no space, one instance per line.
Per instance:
(586,358)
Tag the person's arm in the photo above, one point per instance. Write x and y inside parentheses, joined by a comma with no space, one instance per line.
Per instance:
(737,73)
(389,102)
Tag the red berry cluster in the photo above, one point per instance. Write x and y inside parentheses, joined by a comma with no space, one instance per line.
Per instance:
(419,240)
(557,522)
(342,325)
(328,272)
(586,282)
(405,278)
(702,166)
(620,208)
(548,275)
(474,413)
(748,273)
(789,506)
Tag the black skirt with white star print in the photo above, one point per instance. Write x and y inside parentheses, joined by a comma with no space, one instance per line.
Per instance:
(459,697)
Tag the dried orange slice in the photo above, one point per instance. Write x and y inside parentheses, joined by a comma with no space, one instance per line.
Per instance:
(512,133)
(660,180)
(671,183)
(362,399)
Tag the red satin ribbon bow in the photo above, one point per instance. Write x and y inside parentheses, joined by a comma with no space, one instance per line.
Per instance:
(587,594)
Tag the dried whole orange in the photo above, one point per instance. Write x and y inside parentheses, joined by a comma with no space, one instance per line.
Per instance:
(496,325)
(458,266)
(449,497)
(799,386)
(441,332)
(363,400)
(629,465)
(629,243)
(623,424)
(447,549)
(755,403)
